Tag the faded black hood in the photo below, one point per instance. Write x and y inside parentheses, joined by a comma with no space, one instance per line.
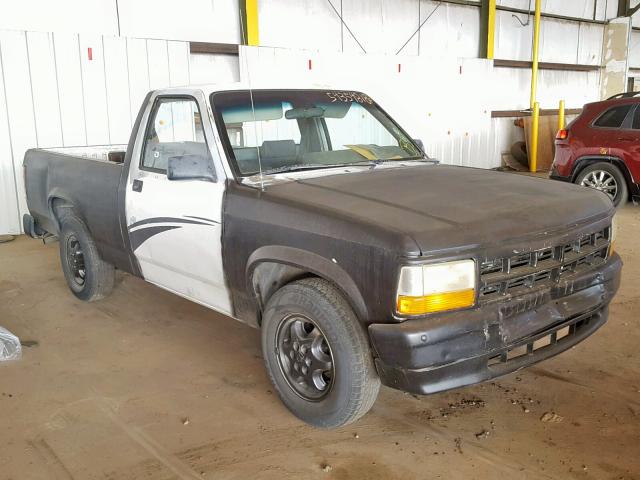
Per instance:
(442,206)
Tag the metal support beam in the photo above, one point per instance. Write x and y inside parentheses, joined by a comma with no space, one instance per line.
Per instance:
(533,148)
(488,28)
(249,22)
(534,54)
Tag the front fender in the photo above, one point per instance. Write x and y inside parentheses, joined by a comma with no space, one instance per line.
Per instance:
(313,263)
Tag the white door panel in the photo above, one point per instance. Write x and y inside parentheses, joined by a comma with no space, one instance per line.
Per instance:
(175,230)
(175,226)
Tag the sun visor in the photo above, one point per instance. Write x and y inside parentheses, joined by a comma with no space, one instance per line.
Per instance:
(244,113)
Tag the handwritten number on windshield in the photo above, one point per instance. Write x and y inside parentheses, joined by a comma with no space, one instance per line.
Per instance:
(349,97)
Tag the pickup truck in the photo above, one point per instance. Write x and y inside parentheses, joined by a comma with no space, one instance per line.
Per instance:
(312,215)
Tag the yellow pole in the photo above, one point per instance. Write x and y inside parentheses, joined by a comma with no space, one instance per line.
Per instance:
(561,115)
(534,54)
(533,157)
(491,29)
(252,22)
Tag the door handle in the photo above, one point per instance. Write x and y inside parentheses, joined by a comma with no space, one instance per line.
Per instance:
(626,139)
(137,185)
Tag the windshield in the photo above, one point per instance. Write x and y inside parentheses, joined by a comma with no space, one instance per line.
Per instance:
(307,129)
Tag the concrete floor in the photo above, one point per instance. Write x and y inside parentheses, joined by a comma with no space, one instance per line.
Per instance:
(145,385)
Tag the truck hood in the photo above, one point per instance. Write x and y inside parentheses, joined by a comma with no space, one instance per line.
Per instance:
(444,207)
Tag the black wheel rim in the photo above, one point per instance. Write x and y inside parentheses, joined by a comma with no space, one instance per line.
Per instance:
(75,260)
(305,358)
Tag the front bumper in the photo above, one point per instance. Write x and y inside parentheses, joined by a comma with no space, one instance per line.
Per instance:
(451,350)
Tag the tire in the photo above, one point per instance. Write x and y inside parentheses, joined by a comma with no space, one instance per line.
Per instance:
(91,278)
(602,176)
(350,386)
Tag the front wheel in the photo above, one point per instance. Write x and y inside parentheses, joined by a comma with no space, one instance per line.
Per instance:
(317,354)
(606,178)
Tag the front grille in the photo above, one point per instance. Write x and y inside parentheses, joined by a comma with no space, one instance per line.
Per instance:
(522,272)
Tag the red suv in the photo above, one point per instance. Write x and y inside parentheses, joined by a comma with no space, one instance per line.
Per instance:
(601,148)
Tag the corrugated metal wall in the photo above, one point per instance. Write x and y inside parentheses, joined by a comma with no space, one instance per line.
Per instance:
(188,20)
(69,90)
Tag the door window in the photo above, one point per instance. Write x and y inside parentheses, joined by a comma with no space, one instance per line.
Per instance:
(175,129)
(613,117)
(636,119)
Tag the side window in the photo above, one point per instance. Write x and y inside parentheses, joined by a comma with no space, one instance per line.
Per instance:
(174,129)
(613,117)
(636,119)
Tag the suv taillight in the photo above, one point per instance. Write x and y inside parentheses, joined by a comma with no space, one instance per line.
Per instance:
(562,134)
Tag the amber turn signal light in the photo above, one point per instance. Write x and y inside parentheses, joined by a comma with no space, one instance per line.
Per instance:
(562,134)
(436,302)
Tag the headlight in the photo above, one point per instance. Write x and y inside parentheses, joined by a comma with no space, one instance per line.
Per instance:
(613,234)
(436,288)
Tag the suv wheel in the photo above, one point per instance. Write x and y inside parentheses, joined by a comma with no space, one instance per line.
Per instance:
(317,354)
(606,178)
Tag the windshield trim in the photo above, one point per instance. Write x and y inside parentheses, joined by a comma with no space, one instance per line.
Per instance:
(228,149)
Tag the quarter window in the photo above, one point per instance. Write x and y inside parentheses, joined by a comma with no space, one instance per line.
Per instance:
(175,130)
(636,119)
(613,117)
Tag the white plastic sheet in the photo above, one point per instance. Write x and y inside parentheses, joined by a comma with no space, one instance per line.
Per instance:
(10,347)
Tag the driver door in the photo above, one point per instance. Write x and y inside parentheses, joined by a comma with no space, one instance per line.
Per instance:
(175,226)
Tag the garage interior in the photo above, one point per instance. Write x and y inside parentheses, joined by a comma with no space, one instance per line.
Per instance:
(145,384)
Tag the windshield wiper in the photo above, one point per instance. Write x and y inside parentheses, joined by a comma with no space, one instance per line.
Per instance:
(302,166)
(379,161)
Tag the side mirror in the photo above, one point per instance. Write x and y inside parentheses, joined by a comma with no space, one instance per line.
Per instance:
(418,142)
(190,167)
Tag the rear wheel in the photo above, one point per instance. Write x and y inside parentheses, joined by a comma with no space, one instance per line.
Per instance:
(88,276)
(606,178)
(317,354)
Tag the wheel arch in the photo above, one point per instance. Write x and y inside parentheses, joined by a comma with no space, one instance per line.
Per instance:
(584,162)
(59,201)
(270,268)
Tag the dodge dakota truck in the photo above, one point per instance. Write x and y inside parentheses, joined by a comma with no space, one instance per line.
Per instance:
(312,215)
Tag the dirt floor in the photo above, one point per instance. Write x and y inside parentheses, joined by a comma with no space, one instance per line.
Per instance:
(145,385)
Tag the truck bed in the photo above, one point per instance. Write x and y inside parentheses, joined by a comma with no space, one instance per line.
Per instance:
(83,179)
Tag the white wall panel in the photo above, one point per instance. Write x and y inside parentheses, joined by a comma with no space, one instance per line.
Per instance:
(158,57)
(9,214)
(559,41)
(576,88)
(452,29)
(178,54)
(569,8)
(67,57)
(316,25)
(634,49)
(53,93)
(44,85)
(116,71)
(512,40)
(138,73)
(590,44)
(213,68)
(195,20)
(635,19)
(94,90)
(380,26)
(191,20)
(70,16)
(19,103)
